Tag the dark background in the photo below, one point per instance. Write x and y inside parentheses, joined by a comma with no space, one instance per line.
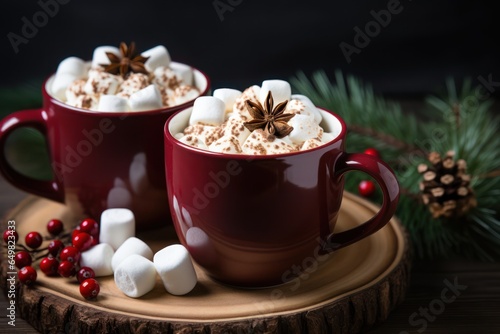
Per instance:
(421,46)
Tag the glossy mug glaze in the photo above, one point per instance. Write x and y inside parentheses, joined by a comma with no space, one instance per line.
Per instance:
(248,220)
(99,160)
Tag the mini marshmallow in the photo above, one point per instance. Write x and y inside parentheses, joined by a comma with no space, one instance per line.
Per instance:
(176,270)
(251,93)
(148,98)
(100,82)
(208,110)
(194,141)
(310,143)
(112,103)
(117,225)
(304,128)
(206,133)
(158,56)
(310,108)
(75,89)
(73,66)
(100,58)
(85,101)
(60,83)
(134,83)
(99,259)
(184,94)
(183,72)
(130,247)
(327,136)
(259,144)
(280,89)
(226,144)
(228,96)
(165,77)
(135,276)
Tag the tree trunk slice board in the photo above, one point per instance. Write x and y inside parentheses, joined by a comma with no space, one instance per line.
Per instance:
(344,292)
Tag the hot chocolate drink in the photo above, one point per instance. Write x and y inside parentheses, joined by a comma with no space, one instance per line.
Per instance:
(124,80)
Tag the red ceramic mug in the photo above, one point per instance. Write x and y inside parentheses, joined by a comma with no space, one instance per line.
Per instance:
(99,160)
(247,220)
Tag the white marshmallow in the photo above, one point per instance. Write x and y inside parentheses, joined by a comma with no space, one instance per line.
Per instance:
(206,133)
(251,93)
(85,101)
(235,127)
(208,110)
(60,83)
(100,58)
(184,94)
(258,143)
(75,89)
(100,82)
(310,143)
(304,128)
(99,259)
(310,108)
(183,72)
(226,144)
(117,225)
(176,270)
(112,103)
(130,247)
(135,276)
(166,77)
(280,89)
(138,174)
(158,56)
(228,96)
(194,141)
(74,66)
(327,136)
(148,98)
(134,83)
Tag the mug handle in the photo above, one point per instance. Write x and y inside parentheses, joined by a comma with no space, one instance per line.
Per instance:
(388,183)
(34,118)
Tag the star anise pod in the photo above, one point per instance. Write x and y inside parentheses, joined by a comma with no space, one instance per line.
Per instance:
(128,61)
(269,118)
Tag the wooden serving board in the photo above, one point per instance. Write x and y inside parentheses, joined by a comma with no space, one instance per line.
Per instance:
(345,292)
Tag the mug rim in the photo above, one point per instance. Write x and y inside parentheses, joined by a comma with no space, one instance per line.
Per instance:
(168,136)
(52,99)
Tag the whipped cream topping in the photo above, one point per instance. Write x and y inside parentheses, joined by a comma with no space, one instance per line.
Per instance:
(83,84)
(217,123)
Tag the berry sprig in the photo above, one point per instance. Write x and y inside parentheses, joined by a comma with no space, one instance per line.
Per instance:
(62,255)
(366,188)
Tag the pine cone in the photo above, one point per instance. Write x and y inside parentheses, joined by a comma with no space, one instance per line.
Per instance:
(446,186)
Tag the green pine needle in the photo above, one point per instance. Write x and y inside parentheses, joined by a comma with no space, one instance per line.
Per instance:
(461,122)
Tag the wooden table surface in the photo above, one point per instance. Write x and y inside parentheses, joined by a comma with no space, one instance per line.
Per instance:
(456,296)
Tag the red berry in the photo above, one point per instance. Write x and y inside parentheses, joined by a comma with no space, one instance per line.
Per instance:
(366,188)
(10,235)
(90,226)
(55,227)
(70,253)
(22,259)
(27,275)
(89,288)
(372,151)
(33,240)
(75,231)
(82,241)
(66,269)
(84,273)
(54,247)
(49,266)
